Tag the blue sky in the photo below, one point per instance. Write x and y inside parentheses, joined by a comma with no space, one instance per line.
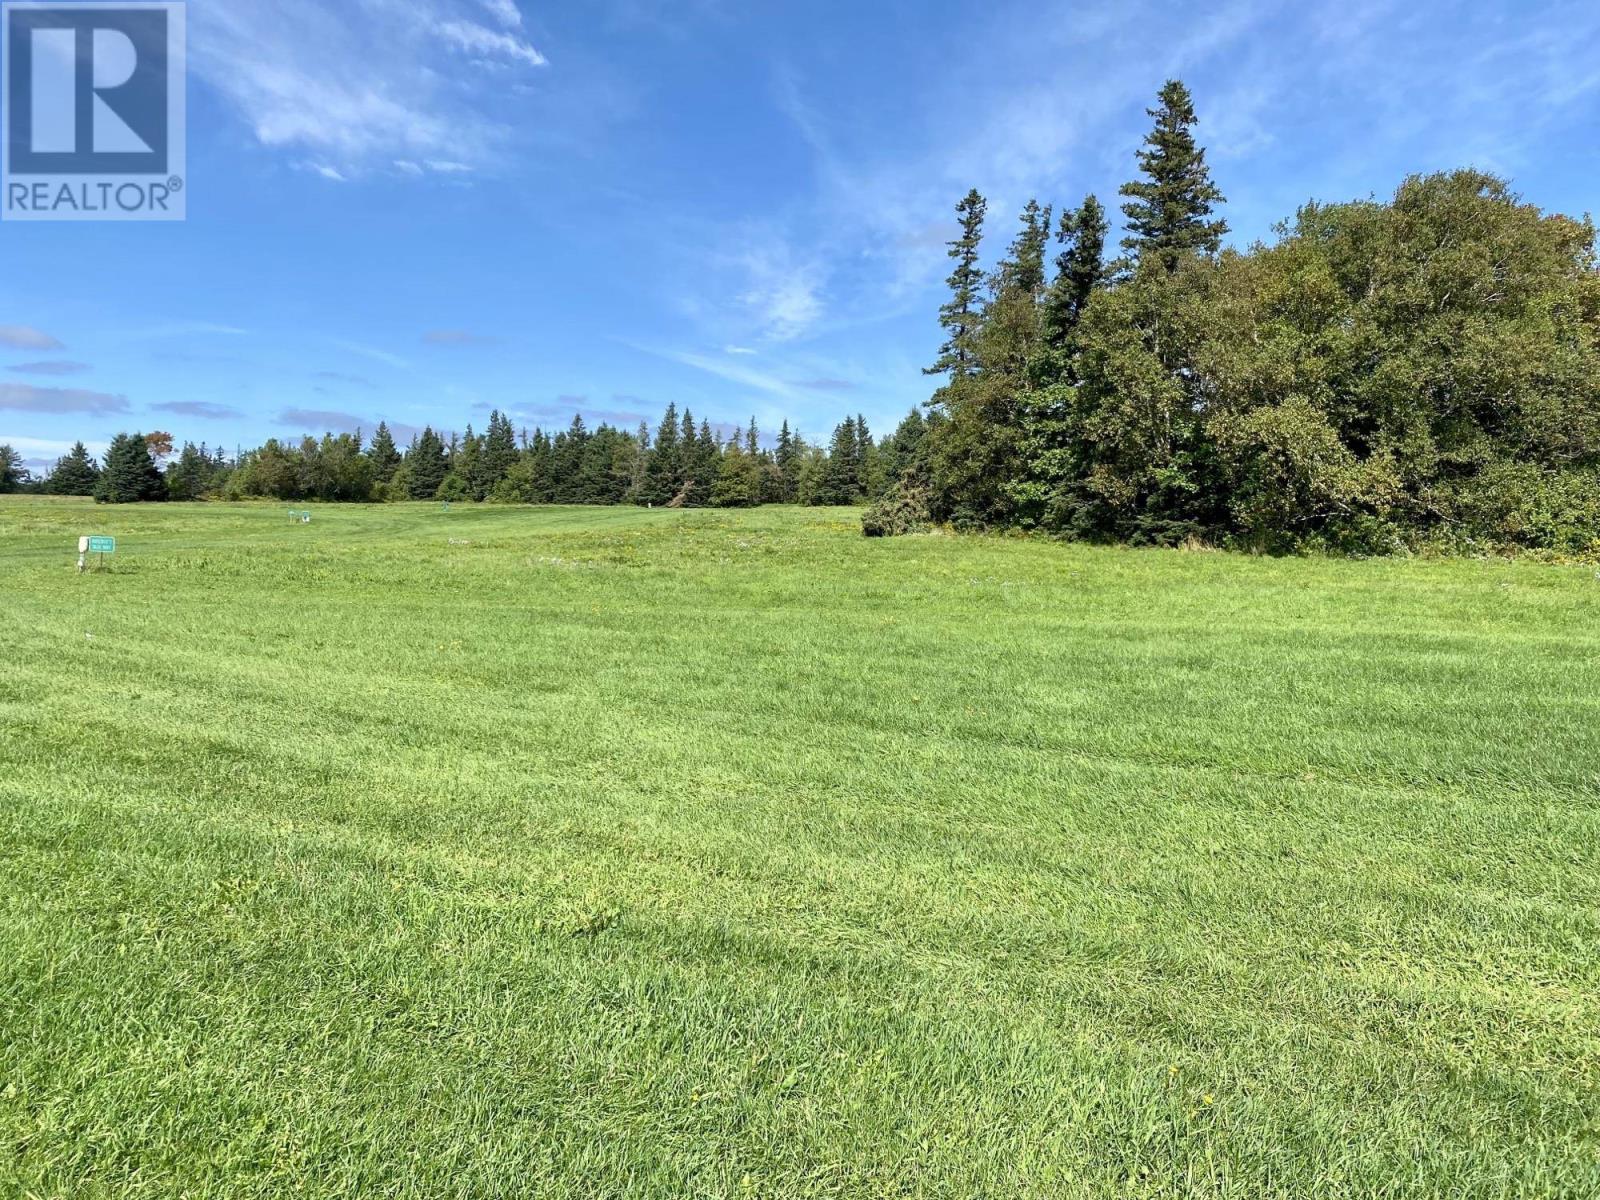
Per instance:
(423,209)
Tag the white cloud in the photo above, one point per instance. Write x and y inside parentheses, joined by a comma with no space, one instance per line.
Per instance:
(475,39)
(26,337)
(372,352)
(504,11)
(180,329)
(737,350)
(47,449)
(731,372)
(25,397)
(359,84)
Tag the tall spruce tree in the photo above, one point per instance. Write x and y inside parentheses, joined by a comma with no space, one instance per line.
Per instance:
(1080,269)
(385,457)
(426,466)
(75,474)
(1169,210)
(12,474)
(497,455)
(189,475)
(130,474)
(1027,252)
(841,476)
(663,470)
(790,451)
(961,314)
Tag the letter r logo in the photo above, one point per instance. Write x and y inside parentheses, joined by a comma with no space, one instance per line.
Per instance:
(87,89)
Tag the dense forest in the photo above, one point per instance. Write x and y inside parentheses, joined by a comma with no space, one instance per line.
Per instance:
(1381,375)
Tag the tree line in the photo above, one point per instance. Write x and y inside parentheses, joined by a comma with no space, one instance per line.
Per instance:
(1381,375)
(1423,370)
(683,464)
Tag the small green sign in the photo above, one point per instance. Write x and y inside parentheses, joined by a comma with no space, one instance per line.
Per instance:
(102,545)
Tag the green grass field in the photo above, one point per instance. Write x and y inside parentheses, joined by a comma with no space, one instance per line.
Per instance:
(605,853)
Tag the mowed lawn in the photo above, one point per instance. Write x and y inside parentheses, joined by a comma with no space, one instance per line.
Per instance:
(611,853)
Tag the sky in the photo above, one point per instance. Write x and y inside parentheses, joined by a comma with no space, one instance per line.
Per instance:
(422,210)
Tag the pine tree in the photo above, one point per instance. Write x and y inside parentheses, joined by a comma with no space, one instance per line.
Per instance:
(738,482)
(1027,252)
(1169,211)
(707,466)
(190,475)
(662,467)
(841,478)
(497,455)
(467,466)
(566,462)
(790,449)
(1080,269)
(12,474)
(130,473)
(426,466)
(961,315)
(385,458)
(74,475)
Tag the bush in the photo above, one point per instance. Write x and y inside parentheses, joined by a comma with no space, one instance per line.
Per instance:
(907,508)
(1524,506)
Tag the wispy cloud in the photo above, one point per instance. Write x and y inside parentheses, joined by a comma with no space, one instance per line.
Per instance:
(179,329)
(343,377)
(199,408)
(722,369)
(25,397)
(357,85)
(50,368)
(564,408)
(322,420)
(372,352)
(504,11)
(826,385)
(458,337)
(738,350)
(46,450)
(26,337)
(475,39)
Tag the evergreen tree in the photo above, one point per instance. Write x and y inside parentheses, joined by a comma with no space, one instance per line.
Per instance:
(1169,210)
(960,315)
(466,464)
(189,476)
(738,482)
(790,449)
(497,455)
(74,475)
(1080,269)
(426,467)
(130,473)
(12,475)
(567,462)
(1027,252)
(841,478)
(662,476)
(707,465)
(385,457)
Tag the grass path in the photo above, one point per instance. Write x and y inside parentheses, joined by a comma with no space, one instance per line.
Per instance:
(564,852)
